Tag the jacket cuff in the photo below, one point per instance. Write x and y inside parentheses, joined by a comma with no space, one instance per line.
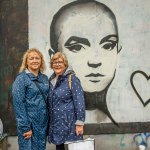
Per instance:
(24,129)
(79,122)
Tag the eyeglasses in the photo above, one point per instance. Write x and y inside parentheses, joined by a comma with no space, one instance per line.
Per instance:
(58,62)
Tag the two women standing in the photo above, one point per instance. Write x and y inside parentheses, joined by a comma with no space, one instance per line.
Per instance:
(65,102)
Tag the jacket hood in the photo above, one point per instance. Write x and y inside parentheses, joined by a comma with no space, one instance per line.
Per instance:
(69,70)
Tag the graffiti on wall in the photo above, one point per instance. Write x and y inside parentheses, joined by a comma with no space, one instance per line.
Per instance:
(106,44)
(97,38)
(137,79)
(94,70)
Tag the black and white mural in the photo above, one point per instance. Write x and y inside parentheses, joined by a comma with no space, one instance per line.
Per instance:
(89,38)
(106,43)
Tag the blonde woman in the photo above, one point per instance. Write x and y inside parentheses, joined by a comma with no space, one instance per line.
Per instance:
(30,91)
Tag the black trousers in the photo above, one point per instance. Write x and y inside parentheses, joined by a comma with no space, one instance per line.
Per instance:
(60,147)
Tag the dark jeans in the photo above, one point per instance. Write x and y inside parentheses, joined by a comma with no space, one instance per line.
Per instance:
(60,147)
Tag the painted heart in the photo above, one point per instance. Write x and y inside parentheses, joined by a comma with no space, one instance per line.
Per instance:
(140,82)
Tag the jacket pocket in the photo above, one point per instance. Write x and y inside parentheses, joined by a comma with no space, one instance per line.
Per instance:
(69,117)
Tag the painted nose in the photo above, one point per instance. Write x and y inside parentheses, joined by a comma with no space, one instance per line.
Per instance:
(94,65)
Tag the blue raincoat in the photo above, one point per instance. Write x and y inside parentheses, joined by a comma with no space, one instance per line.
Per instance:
(66,108)
(31,110)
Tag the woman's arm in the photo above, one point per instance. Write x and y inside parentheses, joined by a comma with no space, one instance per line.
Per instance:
(18,92)
(79,104)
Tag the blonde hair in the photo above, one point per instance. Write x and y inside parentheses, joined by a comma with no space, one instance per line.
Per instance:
(57,56)
(25,57)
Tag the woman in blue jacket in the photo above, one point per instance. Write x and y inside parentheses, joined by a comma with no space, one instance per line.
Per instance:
(30,91)
(66,103)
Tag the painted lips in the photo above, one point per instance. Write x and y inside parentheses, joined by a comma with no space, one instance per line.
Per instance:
(95,76)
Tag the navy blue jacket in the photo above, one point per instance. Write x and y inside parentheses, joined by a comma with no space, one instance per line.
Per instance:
(66,108)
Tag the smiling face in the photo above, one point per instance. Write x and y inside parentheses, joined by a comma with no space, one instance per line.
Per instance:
(58,66)
(33,62)
(90,40)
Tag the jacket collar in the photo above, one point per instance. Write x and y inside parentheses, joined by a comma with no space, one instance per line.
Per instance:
(32,76)
(68,71)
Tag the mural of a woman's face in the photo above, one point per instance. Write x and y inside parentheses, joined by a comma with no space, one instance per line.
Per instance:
(90,43)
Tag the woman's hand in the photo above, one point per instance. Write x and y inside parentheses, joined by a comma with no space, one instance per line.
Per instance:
(79,129)
(28,134)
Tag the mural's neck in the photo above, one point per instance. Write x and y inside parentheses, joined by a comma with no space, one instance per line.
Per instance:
(95,100)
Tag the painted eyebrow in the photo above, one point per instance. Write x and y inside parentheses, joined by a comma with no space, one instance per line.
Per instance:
(76,39)
(107,38)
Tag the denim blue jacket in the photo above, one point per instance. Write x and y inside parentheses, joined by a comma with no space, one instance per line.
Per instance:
(30,109)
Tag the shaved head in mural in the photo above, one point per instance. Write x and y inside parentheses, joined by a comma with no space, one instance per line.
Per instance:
(87,33)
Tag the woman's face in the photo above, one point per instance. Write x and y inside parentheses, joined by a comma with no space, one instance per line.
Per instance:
(58,66)
(91,49)
(34,62)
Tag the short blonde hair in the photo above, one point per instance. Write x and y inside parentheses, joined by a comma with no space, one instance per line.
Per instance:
(57,56)
(25,57)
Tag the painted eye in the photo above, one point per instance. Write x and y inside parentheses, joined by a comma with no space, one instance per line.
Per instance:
(109,46)
(75,48)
